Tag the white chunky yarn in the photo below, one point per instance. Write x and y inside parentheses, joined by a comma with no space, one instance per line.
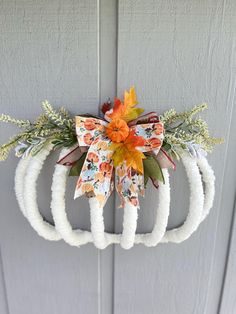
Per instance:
(200,204)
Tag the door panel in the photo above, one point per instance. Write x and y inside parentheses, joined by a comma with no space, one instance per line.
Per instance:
(48,51)
(178,54)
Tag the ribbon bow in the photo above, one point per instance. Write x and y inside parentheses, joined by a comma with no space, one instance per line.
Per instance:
(117,142)
(96,178)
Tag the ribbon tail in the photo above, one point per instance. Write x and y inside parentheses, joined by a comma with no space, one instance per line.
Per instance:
(128,185)
(74,155)
(165,160)
(96,175)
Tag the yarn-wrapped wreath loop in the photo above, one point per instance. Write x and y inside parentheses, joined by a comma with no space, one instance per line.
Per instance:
(200,205)
(26,176)
(99,236)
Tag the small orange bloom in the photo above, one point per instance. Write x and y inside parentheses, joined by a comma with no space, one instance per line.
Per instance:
(87,187)
(102,145)
(106,168)
(159,129)
(99,177)
(92,157)
(117,130)
(155,142)
(88,139)
(89,124)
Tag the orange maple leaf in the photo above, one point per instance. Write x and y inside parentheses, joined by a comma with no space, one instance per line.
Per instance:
(126,151)
(126,110)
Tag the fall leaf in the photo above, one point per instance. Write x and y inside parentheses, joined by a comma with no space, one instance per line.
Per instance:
(126,151)
(132,158)
(126,110)
(133,140)
(118,111)
(77,167)
(130,99)
(153,171)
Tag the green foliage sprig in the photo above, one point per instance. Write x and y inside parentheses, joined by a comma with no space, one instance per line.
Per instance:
(55,126)
(183,130)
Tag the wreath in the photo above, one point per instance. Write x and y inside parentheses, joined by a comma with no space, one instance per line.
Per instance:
(121,149)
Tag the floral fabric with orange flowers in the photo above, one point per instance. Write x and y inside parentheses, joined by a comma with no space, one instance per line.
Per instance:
(114,143)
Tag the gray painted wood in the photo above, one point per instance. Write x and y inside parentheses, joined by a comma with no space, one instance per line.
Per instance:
(48,50)
(76,53)
(3,297)
(228,301)
(179,54)
(225,238)
(107,87)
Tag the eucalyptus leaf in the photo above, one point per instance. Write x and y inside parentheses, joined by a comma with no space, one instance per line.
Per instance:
(146,178)
(152,170)
(77,167)
(166,146)
(35,149)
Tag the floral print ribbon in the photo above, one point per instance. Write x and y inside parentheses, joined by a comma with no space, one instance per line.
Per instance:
(96,177)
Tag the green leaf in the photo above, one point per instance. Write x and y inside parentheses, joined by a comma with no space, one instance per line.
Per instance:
(152,170)
(146,178)
(77,167)
(166,146)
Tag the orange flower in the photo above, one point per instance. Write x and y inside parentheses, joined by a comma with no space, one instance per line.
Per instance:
(87,187)
(152,143)
(99,177)
(89,124)
(92,157)
(102,145)
(127,151)
(159,129)
(88,139)
(155,142)
(106,168)
(117,130)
